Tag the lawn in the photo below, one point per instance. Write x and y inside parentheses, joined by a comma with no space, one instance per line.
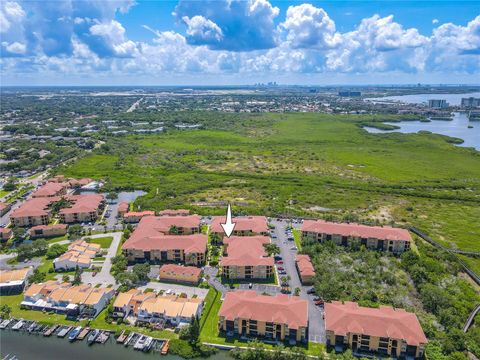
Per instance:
(104,242)
(297,236)
(3,193)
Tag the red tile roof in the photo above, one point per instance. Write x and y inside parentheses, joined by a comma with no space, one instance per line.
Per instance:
(34,207)
(49,189)
(139,213)
(154,225)
(246,251)
(3,206)
(257,224)
(382,322)
(46,227)
(180,269)
(83,203)
(6,231)
(356,230)
(195,243)
(304,265)
(123,206)
(177,212)
(282,309)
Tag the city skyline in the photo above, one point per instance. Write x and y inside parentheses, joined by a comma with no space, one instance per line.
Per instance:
(238,42)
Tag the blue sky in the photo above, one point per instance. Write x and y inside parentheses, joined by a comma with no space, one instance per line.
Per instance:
(69,42)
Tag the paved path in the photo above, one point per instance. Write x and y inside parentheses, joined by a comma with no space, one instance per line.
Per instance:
(104,277)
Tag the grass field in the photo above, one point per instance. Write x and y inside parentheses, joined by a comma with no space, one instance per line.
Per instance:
(297,237)
(104,242)
(302,164)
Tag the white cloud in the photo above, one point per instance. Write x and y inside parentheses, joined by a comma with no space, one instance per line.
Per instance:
(435,21)
(114,35)
(15,47)
(202,31)
(310,27)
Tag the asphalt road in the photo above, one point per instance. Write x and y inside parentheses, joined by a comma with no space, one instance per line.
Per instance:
(315,313)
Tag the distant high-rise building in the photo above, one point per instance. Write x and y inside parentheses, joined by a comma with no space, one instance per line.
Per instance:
(349,93)
(437,103)
(470,102)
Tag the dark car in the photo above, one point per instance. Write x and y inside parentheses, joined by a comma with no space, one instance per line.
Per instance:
(311,291)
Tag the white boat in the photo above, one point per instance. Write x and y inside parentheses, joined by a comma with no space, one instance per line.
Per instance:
(148,344)
(129,338)
(18,325)
(73,335)
(32,327)
(63,332)
(140,343)
(93,336)
(5,323)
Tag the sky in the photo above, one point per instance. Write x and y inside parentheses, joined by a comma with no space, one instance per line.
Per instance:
(238,42)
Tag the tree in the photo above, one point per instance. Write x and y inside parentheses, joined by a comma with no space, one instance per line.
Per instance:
(297,291)
(5,311)
(194,330)
(77,278)
(173,230)
(37,277)
(74,231)
(9,186)
(272,249)
(112,195)
(55,251)
(142,271)
(18,233)
(66,278)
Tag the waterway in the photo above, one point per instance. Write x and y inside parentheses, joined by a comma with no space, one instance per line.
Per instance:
(458,127)
(37,347)
(452,99)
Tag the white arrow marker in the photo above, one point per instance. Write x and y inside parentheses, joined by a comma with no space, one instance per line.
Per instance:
(228,226)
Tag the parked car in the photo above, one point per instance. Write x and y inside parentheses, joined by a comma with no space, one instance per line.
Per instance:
(318,302)
(250,285)
(94,274)
(311,291)
(293,248)
(280,262)
(277,257)
(283,272)
(281,268)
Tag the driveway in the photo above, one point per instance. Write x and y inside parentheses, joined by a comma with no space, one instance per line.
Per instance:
(103,276)
(315,313)
(176,288)
(5,257)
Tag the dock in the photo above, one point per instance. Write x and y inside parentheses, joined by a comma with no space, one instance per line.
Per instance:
(123,336)
(103,337)
(165,347)
(83,334)
(50,330)
(64,331)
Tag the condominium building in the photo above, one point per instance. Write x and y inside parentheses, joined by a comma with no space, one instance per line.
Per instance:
(248,314)
(84,208)
(382,238)
(244,226)
(79,254)
(4,208)
(50,189)
(5,234)
(385,330)
(136,216)
(34,211)
(13,281)
(245,258)
(123,209)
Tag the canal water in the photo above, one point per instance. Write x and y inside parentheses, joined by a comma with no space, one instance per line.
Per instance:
(459,127)
(37,347)
(452,99)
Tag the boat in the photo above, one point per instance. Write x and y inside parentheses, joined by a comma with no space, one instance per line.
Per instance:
(50,330)
(83,334)
(129,338)
(64,331)
(73,335)
(148,344)
(93,336)
(140,342)
(18,325)
(121,338)
(165,348)
(32,327)
(5,323)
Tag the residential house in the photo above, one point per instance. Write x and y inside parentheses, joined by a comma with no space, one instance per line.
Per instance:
(275,318)
(4,208)
(84,208)
(13,282)
(305,269)
(122,209)
(46,231)
(386,331)
(180,274)
(129,302)
(5,234)
(79,254)
(81,300)
(244,226)
(382,238)
(246,258)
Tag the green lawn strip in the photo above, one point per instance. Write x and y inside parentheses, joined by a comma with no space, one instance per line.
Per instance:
(472,262)
(3,193)
(56,239)
(104,242)
(297,237)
